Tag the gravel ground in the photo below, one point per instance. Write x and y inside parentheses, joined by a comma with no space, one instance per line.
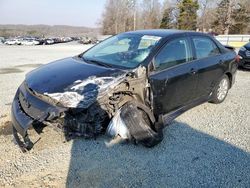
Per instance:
(207,146)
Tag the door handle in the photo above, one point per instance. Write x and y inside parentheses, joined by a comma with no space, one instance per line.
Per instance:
(221,62)
(193,71)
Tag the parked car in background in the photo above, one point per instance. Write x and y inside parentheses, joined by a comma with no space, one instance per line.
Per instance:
(49,41)
(85,40)
(30,41)
(66,39)
(244,54)
(13,41)
(88,40)
(130,86)
(2,40)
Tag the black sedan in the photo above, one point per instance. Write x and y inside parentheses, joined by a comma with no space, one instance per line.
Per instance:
(130,86)
(244,54)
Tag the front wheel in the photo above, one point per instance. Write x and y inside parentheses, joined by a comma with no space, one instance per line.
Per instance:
(221,90)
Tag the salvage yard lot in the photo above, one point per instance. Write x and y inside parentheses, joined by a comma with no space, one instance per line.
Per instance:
(207,146)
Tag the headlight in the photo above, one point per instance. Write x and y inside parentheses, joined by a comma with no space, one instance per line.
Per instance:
(243,48)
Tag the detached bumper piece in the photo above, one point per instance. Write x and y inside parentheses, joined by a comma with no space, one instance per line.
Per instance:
(24,143)
(135,122)
(21,123)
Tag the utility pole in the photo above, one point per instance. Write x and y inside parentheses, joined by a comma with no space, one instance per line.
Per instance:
(134,19)
(134,2)
(228,18)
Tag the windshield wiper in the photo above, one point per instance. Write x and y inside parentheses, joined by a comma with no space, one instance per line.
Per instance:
(97,62)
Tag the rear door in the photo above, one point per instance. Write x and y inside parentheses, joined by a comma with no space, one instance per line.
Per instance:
(210,64)
(174,80)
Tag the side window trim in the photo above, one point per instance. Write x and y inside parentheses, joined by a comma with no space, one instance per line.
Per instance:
(189,44)
(194,50)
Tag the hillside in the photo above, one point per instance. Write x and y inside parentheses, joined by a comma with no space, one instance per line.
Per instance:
(46,30)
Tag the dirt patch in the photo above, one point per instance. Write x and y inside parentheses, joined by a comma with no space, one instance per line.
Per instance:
(17,69)
(10,70)
(29,65)
(6,129)
(3,116)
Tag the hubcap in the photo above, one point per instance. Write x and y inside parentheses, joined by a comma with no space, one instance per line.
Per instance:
(222,90)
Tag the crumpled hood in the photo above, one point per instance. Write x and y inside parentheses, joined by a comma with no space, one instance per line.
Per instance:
(72,82)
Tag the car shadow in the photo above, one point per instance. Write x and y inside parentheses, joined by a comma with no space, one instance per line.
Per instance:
(185,158)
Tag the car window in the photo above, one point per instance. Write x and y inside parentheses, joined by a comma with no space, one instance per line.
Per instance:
(173,53)
(118,46)
(205,47)
(123,50)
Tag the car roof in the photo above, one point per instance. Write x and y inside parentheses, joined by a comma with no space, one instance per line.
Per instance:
(160,32)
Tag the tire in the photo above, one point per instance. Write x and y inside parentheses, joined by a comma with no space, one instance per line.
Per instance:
(220,92)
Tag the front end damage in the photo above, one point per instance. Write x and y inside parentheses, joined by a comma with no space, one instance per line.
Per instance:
(86,108)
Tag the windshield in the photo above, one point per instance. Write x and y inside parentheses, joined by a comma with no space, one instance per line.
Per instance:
(125,50)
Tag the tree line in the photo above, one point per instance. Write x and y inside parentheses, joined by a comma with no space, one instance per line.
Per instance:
(221,17)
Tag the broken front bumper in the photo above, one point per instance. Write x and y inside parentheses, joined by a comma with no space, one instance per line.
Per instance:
(27,110)
(21,123)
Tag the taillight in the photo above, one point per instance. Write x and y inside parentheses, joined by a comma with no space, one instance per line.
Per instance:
(238,58)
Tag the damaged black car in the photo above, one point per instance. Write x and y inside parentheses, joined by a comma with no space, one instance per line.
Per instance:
(129,86)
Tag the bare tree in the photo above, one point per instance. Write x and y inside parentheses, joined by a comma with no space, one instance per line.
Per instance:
(169,14)
(119,16)
(150,16)
(240,18)
(206,14)
(232,16)
(223,16)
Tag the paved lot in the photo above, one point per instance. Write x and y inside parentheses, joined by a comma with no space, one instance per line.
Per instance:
(207,146)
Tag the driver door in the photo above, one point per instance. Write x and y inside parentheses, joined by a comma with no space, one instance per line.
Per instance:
(174,80)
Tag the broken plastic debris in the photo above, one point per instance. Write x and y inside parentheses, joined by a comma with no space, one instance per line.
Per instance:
(117,127)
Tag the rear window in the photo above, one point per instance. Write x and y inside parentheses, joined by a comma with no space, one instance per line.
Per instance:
(205,47)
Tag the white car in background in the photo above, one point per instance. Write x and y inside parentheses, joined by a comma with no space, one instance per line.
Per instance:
(30,42)
(12,42)
(49,41)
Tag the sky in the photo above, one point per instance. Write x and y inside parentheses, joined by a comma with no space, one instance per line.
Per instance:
(52,12)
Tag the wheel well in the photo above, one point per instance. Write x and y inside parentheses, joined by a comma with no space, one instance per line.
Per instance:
(229,75)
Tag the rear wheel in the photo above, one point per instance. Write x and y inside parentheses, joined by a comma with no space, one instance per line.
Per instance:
(221,90)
